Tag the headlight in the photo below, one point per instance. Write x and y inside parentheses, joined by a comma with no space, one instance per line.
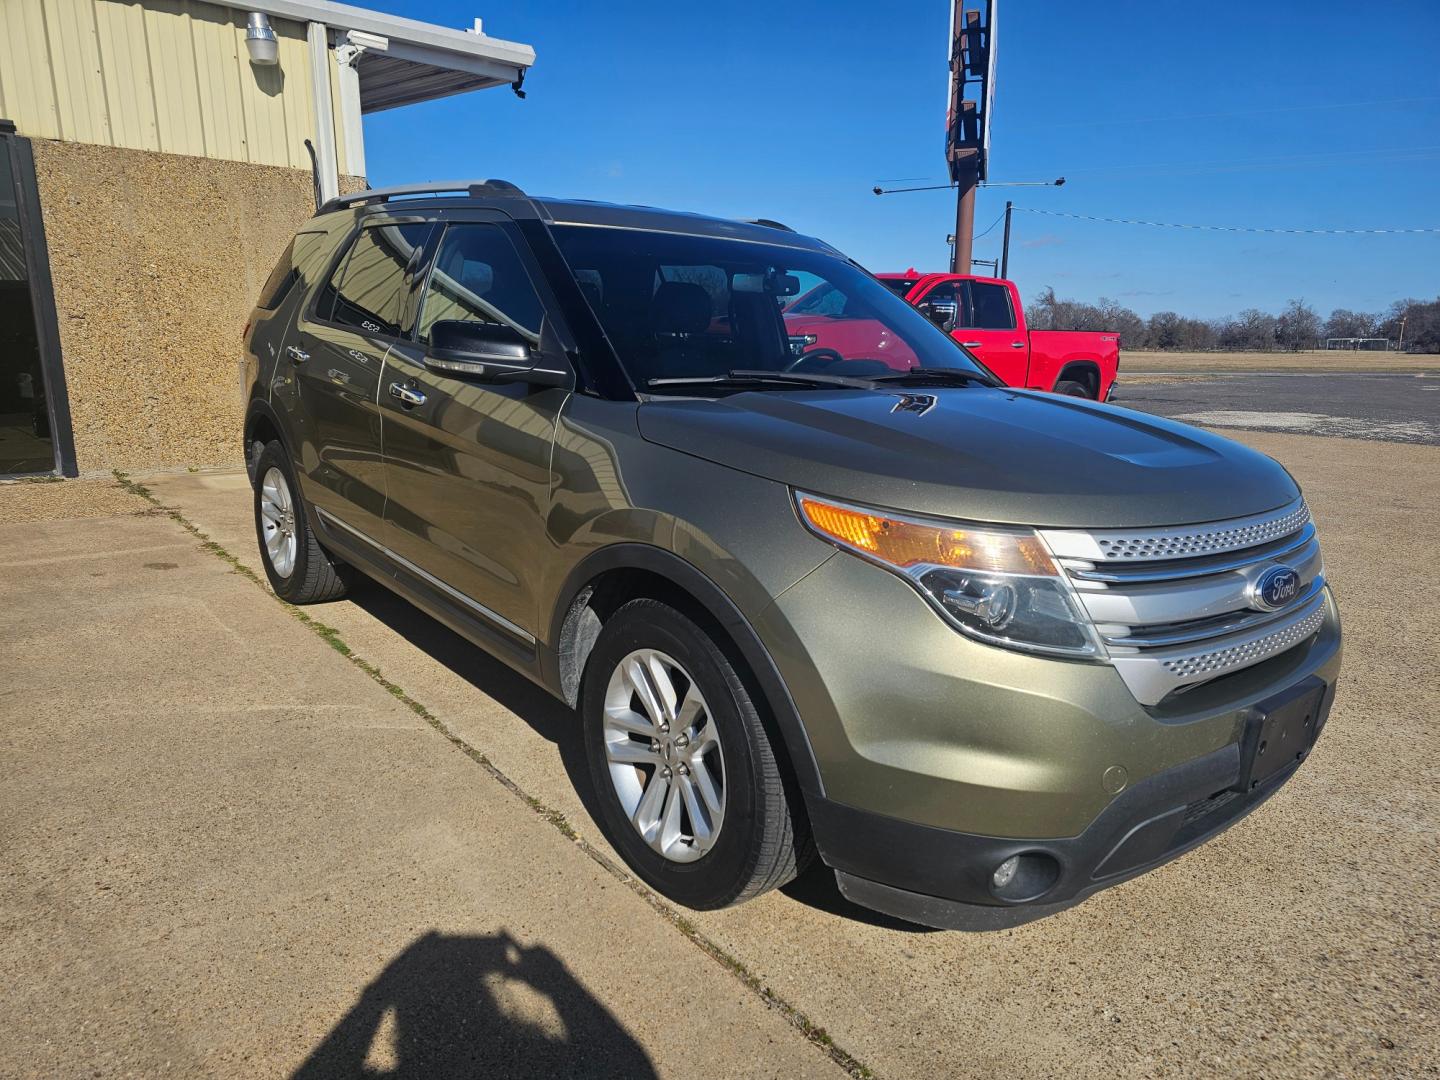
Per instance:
(999,585)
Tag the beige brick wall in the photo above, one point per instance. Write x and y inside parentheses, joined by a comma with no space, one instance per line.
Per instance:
(156,261)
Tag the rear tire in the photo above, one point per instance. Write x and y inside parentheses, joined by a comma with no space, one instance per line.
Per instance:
(1071,388)
(299,569)
(696,805)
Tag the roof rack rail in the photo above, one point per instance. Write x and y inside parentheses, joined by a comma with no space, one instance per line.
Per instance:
(368,196)
(769,224)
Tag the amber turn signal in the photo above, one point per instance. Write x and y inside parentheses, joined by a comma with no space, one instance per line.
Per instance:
(904,543)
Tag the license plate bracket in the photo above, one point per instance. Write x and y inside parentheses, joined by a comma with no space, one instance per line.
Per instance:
(1280,731)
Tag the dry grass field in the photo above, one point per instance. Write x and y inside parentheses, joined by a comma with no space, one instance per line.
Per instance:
(1313,360)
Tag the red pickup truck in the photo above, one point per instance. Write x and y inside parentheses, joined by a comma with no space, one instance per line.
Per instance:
(986,316)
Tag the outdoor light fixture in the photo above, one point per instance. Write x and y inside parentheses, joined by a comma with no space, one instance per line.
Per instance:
(260,41)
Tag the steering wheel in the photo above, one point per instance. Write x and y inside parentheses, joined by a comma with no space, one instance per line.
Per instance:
(817,356)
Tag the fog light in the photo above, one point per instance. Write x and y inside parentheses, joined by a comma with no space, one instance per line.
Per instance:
(1005,872)
(1025,877)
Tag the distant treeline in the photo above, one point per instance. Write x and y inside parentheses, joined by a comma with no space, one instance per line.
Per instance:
(1299,326)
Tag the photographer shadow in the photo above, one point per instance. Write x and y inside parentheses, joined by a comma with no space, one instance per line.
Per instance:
(463,1006)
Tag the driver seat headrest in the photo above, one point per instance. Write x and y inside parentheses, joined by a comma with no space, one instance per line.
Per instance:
(680,307)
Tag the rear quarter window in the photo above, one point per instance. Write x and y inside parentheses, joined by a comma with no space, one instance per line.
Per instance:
(299,262)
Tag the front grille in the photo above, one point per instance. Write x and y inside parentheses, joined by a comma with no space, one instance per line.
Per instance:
(1176,607)
(1238,656)
(1200,540)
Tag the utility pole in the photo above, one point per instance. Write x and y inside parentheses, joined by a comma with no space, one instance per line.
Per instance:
(967,119)
(967,177)
(1005,250)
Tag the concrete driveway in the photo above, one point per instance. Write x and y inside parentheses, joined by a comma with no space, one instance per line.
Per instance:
(288,835)
(227,851)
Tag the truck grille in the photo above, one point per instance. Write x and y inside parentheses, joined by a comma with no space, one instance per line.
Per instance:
(1176,607)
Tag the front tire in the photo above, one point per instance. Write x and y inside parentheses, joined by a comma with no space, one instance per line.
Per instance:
(1071,388)
(690,792)
(299,569)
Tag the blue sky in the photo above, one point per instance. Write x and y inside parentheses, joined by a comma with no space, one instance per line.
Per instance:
(1168,111)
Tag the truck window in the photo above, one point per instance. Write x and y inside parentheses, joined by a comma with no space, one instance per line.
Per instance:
(991,307)
(949,298)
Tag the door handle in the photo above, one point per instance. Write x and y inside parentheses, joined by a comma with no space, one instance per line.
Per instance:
(1017,344)
(297,355)
(971,344)
(406,395)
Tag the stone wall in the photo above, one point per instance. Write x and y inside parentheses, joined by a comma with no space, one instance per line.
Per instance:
(156,261)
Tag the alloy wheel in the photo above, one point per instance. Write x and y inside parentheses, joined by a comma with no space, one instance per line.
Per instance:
(664,755)
(277,512)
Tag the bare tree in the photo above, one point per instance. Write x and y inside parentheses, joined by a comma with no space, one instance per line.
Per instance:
(1344,323)
(1421,321)
(1298,326)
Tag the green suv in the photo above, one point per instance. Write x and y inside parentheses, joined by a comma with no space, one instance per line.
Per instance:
(982,650)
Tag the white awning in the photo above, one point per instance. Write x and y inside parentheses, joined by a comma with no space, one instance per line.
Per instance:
(420,61)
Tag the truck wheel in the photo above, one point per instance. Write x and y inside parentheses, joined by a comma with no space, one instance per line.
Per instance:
(690,792)
(299,569)
(1071,388)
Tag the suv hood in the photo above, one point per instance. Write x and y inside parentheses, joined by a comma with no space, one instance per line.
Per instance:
(983,453)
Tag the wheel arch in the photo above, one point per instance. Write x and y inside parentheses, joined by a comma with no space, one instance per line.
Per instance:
(262,424)
(610,577)
(1083,371)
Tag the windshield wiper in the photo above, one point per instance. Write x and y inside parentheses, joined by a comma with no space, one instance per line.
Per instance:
(928,374)
(744,376)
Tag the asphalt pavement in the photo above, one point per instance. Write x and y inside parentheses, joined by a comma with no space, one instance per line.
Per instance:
(1384,407)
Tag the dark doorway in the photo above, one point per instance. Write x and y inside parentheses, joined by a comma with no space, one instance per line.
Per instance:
(34,414)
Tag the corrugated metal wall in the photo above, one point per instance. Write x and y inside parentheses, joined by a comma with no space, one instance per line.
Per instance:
(166,75)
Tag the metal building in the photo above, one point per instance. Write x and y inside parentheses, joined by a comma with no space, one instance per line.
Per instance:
(153,163)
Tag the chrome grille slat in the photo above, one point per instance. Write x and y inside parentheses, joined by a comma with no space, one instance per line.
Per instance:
(1139,574)
(1152,675)
(1175,607)
(1158,605)
(1206,629)
(1190,541)
(1248,652)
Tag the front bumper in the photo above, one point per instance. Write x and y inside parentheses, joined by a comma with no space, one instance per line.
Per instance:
(941,757)
(941,878)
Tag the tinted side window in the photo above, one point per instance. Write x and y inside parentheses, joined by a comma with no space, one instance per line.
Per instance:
(992,307)
(364,292)
(297,263)
(279,281)
(311,250)
(952,299)
(478,277)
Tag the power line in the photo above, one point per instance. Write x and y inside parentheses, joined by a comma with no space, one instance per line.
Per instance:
(1239,112)
(991,226)
(1229,228)
(1389,155)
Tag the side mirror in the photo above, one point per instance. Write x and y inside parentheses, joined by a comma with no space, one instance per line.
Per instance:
(492,352)
(941,313)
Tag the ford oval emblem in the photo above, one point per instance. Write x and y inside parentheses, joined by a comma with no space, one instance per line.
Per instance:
(1275,588)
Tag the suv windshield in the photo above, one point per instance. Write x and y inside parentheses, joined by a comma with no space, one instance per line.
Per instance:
(681,307)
